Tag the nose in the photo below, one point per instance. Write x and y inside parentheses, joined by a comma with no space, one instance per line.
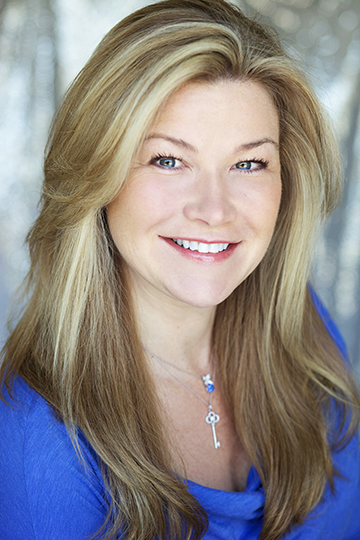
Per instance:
(209,201)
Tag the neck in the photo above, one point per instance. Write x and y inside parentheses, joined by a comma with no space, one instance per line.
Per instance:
(178,333)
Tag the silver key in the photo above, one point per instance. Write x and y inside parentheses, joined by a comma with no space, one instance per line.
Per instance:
(212,419)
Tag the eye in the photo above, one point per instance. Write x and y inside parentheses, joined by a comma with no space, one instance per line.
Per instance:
(251,166)
(244,165)
(166,162)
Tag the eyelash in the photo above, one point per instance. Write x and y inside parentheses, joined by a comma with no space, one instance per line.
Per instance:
(262,162)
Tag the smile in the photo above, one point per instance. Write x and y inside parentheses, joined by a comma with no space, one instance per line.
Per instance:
(201,247)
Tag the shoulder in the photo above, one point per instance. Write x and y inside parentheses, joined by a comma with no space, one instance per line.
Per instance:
(41,477)
(337,515)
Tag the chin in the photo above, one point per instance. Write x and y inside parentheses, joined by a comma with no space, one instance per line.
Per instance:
(203,298)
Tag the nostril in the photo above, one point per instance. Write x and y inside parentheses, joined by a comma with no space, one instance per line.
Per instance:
(210,212)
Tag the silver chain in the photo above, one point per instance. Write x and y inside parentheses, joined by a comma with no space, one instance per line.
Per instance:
(177,367)
(211,418)
(163,363)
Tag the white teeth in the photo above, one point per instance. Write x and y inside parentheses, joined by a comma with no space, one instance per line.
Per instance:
(194,246)
(201,247)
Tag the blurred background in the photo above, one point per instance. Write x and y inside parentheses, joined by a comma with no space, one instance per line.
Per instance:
(44,43)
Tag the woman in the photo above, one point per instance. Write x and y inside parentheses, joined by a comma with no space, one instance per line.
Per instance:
(173,374)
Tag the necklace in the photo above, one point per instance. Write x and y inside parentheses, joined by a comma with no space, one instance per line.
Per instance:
(211,418)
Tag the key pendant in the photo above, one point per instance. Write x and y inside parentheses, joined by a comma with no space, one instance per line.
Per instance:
(212,419)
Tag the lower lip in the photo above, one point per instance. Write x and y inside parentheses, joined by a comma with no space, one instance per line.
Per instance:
(206,257)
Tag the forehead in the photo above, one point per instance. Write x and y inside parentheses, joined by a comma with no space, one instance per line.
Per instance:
(226,108)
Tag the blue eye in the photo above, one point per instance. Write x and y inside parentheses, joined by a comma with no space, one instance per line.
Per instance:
(168,162)
(244,165)
(252,165)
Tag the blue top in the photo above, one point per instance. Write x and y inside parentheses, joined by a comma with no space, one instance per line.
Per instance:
(46,494)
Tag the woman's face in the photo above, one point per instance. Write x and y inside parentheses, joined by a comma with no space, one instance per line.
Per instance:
(199,209)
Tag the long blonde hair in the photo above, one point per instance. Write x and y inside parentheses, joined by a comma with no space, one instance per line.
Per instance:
(76,342)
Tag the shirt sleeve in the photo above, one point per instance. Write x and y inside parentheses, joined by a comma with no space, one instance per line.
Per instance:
(337,516)
(45,491)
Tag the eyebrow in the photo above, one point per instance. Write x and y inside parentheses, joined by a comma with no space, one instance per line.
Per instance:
(256,144)
(188,146)
(178,142)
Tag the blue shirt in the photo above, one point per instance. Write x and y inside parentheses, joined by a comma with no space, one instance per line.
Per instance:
(47,494)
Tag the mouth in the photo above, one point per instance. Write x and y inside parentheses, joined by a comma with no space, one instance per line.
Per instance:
(201,247)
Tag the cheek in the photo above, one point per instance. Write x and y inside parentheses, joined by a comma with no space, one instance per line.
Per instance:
(263,207)
(272,204)
(119,220)
(135,211)
(149,202)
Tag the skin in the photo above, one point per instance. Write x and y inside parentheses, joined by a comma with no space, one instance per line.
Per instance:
(209,171)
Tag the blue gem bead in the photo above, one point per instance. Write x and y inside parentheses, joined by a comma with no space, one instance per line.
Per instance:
(210,388)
